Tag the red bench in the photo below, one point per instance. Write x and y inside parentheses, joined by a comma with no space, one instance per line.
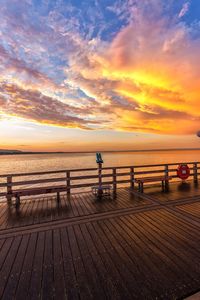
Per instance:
(163,179)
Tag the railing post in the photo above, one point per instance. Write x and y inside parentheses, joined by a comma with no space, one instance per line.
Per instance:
(9,189)
(68,182)
(195,172)
(114,181)
(166,170)
(166,174)
(132,178)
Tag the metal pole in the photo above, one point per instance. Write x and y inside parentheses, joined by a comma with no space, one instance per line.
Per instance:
(100,178)
(100,191)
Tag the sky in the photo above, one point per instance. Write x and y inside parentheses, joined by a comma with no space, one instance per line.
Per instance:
(99,75)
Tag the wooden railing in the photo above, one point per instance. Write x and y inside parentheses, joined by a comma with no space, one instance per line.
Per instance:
(81,178)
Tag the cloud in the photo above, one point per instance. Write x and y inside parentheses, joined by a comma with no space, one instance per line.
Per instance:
(34,106)
(184,9)
(56,71)
(158,56)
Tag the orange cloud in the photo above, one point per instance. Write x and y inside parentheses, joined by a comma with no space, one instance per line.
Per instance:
(146,79)
(153,64)
(158,56)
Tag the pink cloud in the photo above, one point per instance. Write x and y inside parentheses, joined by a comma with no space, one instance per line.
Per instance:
(184,9)
(144,79)
(32,105)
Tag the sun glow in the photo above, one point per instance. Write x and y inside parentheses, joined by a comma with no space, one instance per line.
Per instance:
(139,77)
(135,69)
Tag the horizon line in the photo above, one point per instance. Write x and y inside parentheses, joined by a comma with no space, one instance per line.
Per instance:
(21,152)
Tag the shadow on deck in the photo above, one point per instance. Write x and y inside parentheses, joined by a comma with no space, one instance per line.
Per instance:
(133,247)
(41,210)
(177,191)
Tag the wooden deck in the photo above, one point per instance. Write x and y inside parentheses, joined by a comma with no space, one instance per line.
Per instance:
(132,247)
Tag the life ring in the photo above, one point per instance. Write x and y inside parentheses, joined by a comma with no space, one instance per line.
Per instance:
(183,171)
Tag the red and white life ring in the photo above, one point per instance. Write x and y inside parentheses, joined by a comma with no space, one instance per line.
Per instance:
(183,171)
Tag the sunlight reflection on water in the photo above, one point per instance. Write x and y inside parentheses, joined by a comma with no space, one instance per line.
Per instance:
(47,162)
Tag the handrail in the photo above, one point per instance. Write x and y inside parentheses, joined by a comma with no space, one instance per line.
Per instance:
(94,169)
(71,180)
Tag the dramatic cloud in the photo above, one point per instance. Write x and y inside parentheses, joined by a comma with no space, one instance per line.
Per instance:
(36,107)
(140,74)
(151,63)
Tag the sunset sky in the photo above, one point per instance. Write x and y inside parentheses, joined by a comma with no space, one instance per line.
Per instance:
(99,75)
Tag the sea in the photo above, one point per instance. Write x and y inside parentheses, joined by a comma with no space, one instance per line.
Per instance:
(65,161)
(30,163)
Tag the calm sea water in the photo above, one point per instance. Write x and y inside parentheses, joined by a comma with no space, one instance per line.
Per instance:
(52,162)
(46,162)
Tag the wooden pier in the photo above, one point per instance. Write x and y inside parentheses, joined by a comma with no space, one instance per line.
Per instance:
(132,246)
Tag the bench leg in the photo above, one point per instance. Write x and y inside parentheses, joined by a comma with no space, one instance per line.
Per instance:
(17,203)
(58,197)
(113,193)
(166,185)
(140,187)
(163,186)
(9,200)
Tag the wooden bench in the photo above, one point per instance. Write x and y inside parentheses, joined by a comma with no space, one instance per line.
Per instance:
(37,191)
(163,179)
(103,190)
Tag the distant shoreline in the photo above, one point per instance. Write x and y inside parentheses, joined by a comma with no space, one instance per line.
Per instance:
(18,152)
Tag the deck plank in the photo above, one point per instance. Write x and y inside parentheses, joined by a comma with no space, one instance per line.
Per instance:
(47,275)
(11,285)
(58,267)
(85,290)
(5,272)
(72,290)
(46,209)
(93,276)
(110,260)
(126,263)
(106,281)
(149,261)
(35,288)
(6,244)
(171,263)
(171,242)
(27,269)
(131,247)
